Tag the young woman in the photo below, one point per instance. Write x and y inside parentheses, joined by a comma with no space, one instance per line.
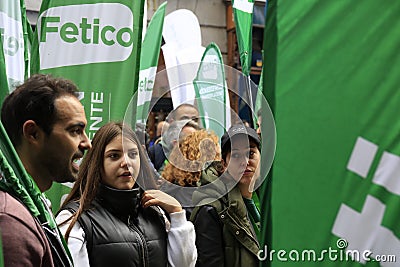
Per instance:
(225,235)
(108,220)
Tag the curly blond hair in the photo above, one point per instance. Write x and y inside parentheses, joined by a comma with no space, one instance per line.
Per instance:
(188,159)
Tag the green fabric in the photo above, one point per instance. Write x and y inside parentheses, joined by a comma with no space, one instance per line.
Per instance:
(107,80)
(254,215)
(3,75)
(332,77)
(28,35)
(148,62)
(244,29)
(14,45)
(210,90)
(256,200)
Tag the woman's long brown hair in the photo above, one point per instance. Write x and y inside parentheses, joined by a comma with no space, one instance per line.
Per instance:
(91,170)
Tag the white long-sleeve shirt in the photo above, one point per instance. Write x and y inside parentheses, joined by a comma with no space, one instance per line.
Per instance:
(181,246)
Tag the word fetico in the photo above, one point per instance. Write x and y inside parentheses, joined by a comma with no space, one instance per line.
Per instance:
(89,33)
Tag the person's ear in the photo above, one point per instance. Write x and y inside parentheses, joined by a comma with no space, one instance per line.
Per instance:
(224,163)
(31,131)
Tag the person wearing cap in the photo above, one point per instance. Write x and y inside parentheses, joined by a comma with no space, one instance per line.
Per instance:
(225,235)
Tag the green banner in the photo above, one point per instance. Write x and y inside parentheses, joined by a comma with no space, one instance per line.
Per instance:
(243,16)
(332,77)
(148,63)
(15,33)
(210,89)
(97,45)
(4,89)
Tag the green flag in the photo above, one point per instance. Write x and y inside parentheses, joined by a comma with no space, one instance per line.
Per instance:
(332,76)
(15,34)
(148,63)
(97,45)
(243,16)
(4,89)
(210,89)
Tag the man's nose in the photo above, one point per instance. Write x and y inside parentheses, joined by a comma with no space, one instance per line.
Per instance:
(85,143)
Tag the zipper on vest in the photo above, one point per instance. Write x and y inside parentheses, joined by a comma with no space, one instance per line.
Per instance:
(142,241)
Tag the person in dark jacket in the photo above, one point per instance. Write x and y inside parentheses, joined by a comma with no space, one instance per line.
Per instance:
(108,220)
(224,233)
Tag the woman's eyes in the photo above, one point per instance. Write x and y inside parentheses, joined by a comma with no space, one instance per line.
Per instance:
(239,155)
(114,156)
(235,155)
(133,154)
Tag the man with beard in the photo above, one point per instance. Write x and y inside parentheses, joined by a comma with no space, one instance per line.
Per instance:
(46,124)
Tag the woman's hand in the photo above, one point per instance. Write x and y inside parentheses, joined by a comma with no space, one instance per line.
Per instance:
(159,198)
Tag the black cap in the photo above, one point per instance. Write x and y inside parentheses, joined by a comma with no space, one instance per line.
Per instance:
(240,129)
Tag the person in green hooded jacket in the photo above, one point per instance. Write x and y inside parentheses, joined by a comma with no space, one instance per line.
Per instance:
(225,235)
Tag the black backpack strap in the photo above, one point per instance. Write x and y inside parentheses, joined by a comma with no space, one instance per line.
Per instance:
(85,223)
(60,256)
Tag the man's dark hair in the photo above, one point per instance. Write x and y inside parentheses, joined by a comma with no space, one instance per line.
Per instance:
(34,100)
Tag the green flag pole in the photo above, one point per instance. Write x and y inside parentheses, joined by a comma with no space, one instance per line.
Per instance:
(27,37)
(4,89)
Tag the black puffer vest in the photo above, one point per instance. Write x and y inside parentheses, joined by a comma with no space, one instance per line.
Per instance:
(119,232)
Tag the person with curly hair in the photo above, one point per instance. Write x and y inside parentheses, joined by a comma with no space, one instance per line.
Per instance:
(186,162)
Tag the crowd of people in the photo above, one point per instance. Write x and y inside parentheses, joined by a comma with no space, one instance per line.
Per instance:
(187,201)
